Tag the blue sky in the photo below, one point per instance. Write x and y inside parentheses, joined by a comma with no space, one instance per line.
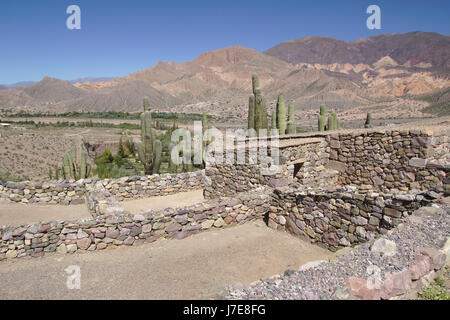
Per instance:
(118,37)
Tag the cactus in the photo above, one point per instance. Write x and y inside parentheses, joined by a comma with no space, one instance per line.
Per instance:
(281,114)
(291,127)
(57,173)
(257,116)
(251,112)
(70,169)
(322,110)
(333,123)
(146,104)
(157,150)
(367,123)
(255,84)
(321,119)
(146,149)
(274,119)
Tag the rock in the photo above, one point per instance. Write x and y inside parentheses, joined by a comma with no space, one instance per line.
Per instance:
(358,287)
(438,257)
(289,273)
(84,243)
(384,247)
(342,294)
(279,183)
(219,223)
(420,267)
(359,221)
(113,234)
(331,238)
(392,212)
(81,234)
(207,224)
(418,162)
(7,236)
(396,284)
(432,195)
(34,229)
(181,235)
(128,241)
(174,227)
(138,218)
(101,245)
(71,248)
(281,220)
(446,250)
(10,254)
(146,228)
(136,230)
(62,249)
(311,264)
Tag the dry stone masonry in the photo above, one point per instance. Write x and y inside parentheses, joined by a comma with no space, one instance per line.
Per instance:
(342,217)
(66,192)
(105,232)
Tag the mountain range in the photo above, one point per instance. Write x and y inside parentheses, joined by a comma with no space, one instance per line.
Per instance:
(389,70)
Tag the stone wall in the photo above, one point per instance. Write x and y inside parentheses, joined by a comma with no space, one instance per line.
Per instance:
(342,217)
(66,192)
(394,266)
(403,159)
(125,230)
(370,159)
(308,154)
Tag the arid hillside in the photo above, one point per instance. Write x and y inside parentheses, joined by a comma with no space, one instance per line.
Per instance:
(386,70)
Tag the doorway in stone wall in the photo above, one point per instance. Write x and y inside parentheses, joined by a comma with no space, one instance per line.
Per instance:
(298,164)
(297,167)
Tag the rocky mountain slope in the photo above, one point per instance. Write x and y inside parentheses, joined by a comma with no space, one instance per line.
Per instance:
(384,70)
(409,49)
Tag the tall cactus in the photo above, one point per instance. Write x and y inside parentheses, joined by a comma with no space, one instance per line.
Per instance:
(70,169)
(291,127)
(333,123)
(321,119)
(368,119)
(251,112)
(146,149)
(157,150)
(281,114)
(274,119)
(257,119)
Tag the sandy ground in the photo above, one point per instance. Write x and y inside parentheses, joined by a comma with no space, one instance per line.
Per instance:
(197,267)
(13,214)
(182,199)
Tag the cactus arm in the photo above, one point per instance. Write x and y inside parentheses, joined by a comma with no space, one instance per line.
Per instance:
(281,114)
(157,156)
(251,112)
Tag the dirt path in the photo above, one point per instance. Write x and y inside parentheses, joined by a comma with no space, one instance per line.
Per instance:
(197,267)
(182,199)
(15,214)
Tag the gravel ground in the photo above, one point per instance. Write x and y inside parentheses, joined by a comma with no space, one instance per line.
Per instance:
(322,281)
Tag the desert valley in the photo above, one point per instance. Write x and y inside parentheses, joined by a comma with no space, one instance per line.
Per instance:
(349,198)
